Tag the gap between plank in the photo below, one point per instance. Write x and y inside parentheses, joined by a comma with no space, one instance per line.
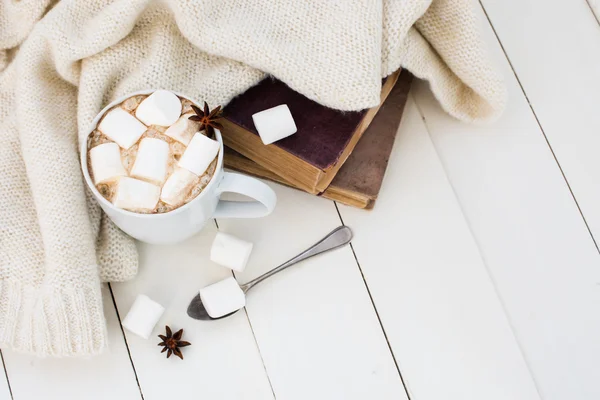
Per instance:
(593,12)
(374,307)
(537,120)
(254,336)
(6,374)
(125,340)
(259,352)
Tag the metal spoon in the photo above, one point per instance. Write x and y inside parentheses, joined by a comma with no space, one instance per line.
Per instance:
(337,238)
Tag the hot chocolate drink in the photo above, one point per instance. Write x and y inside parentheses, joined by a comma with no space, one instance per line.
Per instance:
(147,156)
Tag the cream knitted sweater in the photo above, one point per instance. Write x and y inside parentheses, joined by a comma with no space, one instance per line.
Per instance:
(57,73)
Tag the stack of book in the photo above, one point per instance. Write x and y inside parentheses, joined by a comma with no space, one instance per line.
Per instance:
(339,155)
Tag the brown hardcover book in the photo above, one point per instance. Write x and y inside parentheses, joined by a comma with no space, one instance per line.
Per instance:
(359,180)
(311,157)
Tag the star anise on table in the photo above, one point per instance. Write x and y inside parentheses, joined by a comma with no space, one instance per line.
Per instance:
(207,119)
(172,342)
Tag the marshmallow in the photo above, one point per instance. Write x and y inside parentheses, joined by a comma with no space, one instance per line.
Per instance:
(274,124)
(230,252)
(183,130)
(177,186)
(135,195)
(121,127)
(143,316)
(152,160)
(161,108)
(106,162)
(199,154)
(223,297)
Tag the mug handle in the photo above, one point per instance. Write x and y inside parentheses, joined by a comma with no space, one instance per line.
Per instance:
(264,196)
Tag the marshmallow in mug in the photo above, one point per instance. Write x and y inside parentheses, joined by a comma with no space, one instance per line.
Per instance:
(106,162)
(151,161)
(183,130)
(176,186)
(136,195)
(161,108)
(121,127)
(198,155)
(223,297)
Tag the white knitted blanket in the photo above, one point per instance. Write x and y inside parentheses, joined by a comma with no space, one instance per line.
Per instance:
(61,63)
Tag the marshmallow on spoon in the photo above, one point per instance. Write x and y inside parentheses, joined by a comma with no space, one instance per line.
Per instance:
(230,252)
(177,186)
(223,297)
(151,160)
(183,130)
(199,154)
(143,316)
(274,124)
(135,195)
(106,162)
(161,108)
(121,127)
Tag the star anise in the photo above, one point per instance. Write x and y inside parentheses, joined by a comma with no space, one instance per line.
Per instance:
(207,119)
(172,342)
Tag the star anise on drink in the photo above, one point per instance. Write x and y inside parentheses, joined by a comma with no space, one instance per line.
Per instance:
(207,119)
(172,342)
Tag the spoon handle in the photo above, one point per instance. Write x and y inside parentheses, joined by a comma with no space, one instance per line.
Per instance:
(339,237)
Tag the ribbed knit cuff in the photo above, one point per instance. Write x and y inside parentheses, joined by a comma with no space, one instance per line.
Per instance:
(52,322)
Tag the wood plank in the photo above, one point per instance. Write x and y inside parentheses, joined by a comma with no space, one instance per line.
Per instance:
(437,303)
(109,375)
(223,361)
(562,89)
(315,324)
(535,244)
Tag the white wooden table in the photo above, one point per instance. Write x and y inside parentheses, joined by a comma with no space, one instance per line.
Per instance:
(477,276)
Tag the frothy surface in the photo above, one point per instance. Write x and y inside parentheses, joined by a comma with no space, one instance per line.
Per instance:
(194,184)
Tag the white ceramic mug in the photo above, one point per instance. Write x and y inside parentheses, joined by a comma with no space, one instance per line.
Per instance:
(187,220)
